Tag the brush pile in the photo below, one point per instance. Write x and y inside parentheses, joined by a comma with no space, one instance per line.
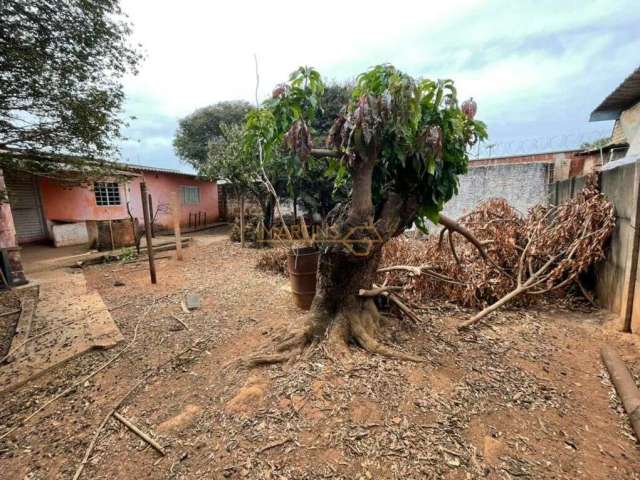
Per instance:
(273,260)
(452,268)
(520,258)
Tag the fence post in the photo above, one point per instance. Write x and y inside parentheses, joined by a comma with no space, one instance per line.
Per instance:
(242,220)
(152,217)
(176,225)
(147,230)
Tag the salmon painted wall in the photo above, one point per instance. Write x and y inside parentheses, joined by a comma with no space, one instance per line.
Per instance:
(79,203)
(76,203)
(162,186)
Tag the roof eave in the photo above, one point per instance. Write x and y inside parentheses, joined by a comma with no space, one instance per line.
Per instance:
(603,115)
(620,99)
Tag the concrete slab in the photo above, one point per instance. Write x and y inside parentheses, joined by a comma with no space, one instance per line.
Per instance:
(72,321)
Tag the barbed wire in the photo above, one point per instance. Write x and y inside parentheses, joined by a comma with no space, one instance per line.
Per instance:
(523,146)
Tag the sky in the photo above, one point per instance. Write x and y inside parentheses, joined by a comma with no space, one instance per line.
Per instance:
(536,68)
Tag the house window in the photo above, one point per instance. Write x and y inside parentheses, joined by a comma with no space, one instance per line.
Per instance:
(190,195)
(107,193)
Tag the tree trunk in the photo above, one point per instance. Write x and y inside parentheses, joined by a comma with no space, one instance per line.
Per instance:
(338,313)
(295,207)
(268,207)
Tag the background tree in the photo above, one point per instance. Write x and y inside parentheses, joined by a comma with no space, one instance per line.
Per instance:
(598,143)
(402,143)
(229,159)
(208,140)
(313,184)
(61,66)
(333,102)
(196,130)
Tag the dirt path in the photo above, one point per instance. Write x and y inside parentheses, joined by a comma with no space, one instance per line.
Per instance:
(525,398)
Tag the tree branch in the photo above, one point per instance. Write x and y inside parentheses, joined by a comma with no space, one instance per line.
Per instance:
(374,292)
(453,226)
(326,152)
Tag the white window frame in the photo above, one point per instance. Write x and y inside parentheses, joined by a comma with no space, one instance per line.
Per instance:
(107,194)
(190,195)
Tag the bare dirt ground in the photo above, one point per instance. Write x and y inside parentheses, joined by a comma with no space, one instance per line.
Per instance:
(8,321)
(523,398)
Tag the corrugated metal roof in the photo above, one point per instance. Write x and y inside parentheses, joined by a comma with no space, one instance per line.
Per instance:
(120,168)
(146,168)
(624,96)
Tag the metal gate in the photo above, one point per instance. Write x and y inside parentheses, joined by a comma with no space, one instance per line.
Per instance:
(26,207)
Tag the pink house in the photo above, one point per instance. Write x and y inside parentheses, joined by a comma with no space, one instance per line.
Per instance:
(45,209)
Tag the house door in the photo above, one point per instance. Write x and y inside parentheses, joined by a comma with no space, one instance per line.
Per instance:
(26,208)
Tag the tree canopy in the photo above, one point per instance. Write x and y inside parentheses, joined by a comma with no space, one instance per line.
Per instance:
(231,158)
(412,134)
(196,130)
(399,145)
(61,66)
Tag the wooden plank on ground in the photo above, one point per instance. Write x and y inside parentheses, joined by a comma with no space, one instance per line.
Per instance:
(25,321)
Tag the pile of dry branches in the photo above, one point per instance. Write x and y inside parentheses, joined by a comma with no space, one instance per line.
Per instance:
(273,260)
(517,258)
(452,268)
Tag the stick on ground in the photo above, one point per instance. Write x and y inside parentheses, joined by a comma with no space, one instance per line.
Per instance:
(175,317)
(121,401)
(139,433)
(92,445)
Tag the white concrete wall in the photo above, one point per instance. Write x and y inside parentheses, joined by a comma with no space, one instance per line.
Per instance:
(522,185)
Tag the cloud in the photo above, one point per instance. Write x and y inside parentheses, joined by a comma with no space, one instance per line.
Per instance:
(536,68)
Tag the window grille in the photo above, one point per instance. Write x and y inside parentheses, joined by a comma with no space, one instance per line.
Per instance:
(107,193)
(190,195)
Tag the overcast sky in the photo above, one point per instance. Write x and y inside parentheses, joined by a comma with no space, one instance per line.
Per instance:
(537,69)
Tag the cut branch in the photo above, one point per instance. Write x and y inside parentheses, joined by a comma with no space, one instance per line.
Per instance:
(409,268)
(417,271)
(326,152)
(374,292)
(453,226)
(568,238)
(139,433)
(404,308)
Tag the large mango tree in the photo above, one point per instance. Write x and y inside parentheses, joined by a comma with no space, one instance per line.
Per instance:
(400,143)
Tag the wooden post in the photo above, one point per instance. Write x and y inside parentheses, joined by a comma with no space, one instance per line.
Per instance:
(151,217)
(295,207)
(624,384)
(113,247)
(242,220)
(176,225)
(147,230)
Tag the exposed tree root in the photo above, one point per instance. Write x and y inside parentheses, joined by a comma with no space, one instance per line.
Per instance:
(358,320)
(363,326)
(269,359)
